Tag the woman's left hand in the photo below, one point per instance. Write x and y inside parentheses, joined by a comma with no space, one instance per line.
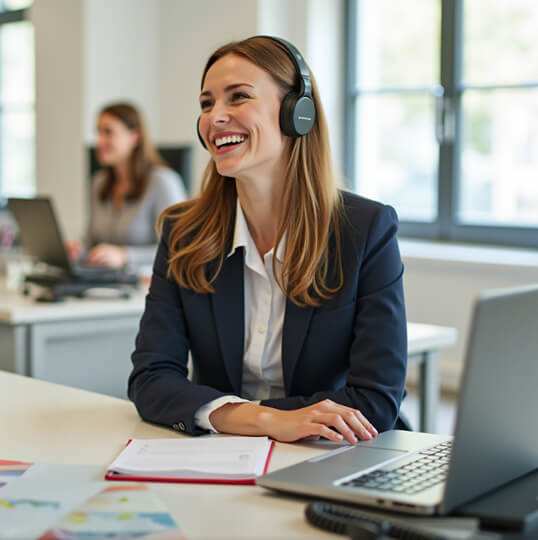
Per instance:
(107,255)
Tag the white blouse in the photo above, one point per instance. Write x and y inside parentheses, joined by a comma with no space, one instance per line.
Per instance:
(265,306)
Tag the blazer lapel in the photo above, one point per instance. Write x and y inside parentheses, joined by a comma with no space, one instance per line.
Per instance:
(296,322)
(228,309)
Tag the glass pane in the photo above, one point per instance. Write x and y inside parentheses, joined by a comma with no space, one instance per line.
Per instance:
(17,64)
(398,43)
(397,154)
(500,158)
(500,41)
(17,158)
(16,4)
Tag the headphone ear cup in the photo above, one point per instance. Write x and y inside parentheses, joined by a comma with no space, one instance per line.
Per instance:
(198,133)
(297,115)
(287,111)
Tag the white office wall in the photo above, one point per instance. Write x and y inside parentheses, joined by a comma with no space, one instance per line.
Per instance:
(441,291)
(121,58)
(316,27)
(189,33)
(325,46)
(60,162)
(286,19)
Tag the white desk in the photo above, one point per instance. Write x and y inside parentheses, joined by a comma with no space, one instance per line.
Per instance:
(423,344)
(48,423)
(88,344)
(80,342)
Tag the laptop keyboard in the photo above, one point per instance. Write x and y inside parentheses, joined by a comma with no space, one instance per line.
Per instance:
(426,471)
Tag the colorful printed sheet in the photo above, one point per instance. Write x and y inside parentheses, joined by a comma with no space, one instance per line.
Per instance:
(66,502)
(117,512)
(11,469)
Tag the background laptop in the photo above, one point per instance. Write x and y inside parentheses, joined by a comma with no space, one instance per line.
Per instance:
(41,237)
(496,435)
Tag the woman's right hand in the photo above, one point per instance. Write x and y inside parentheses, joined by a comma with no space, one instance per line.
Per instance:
(324,419)
(74,249)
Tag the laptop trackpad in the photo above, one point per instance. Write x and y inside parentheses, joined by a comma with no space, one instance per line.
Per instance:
(351,460)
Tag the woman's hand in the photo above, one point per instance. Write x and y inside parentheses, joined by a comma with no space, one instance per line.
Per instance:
(107,255)
(74,249)
(324,419)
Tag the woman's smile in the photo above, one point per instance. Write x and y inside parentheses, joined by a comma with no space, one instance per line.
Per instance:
(227,141)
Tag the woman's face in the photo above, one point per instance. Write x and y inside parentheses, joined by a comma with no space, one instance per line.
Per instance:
(239,122)
(115,141)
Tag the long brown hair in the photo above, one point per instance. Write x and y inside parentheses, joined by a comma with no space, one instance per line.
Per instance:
(203,227)
(143,157)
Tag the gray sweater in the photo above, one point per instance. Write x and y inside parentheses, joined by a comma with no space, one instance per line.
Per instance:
(134,225)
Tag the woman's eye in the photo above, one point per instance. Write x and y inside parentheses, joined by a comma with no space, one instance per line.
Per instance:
(205,104)
(237,96)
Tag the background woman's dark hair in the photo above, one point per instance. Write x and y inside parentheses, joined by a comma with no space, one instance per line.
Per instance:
(143,157)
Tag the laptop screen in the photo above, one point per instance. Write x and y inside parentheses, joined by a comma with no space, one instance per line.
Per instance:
(39,231)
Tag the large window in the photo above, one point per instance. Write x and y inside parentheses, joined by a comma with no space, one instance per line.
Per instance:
(443,123)
(17,100)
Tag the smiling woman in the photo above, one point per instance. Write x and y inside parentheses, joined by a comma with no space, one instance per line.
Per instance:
(286,291)
(129,192)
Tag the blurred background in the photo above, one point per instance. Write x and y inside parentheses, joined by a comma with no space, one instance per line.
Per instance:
(432,108)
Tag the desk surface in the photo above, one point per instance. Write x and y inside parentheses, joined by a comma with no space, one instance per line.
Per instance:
(16,308)
(45,422)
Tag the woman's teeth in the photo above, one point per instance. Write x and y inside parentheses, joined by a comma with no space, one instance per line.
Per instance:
(230,139)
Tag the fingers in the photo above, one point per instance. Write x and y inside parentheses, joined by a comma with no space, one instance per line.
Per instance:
(371,429)
(350,423)
(326,419)
(97,256)
(321,430)
(74,249)
(106,255)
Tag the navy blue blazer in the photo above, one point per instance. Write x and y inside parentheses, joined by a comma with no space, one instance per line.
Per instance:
(352,349)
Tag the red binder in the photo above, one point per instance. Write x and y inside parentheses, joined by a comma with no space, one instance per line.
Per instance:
(112,475)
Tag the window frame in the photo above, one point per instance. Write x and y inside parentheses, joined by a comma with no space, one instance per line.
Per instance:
(447,226)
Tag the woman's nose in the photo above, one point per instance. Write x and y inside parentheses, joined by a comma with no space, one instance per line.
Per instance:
(219,114)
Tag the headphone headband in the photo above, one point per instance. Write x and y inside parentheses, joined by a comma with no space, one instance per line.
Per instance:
(300,64)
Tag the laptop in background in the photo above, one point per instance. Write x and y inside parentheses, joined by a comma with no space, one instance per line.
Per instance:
(496,435)
(41,238)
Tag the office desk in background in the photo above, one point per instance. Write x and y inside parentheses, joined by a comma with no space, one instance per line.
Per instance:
(88,343)
(48,423)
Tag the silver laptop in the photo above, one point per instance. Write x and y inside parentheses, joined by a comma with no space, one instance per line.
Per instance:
(42,238)
(496,432)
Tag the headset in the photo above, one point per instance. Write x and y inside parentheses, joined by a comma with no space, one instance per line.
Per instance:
(297,111)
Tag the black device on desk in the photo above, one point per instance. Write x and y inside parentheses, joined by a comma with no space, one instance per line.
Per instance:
(41,237)
(359,525)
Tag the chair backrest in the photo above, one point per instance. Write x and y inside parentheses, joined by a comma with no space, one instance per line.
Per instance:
(178,158)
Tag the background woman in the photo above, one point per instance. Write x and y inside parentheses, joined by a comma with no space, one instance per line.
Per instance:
(286,291)
(128,193)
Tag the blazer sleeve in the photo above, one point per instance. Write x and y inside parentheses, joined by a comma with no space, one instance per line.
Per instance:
(377,361)
(159,384)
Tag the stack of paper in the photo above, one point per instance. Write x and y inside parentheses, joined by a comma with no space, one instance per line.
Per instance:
(231,460)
